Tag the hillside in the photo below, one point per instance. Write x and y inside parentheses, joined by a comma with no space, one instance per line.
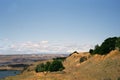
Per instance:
(97,67)
(79,66)
(21,61)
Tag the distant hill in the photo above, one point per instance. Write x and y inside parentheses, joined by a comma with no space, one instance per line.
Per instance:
(19,62)
(79,66)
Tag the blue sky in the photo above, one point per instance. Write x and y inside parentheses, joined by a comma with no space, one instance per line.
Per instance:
(28,26)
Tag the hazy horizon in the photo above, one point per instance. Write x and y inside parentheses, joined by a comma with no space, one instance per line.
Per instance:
(56,26)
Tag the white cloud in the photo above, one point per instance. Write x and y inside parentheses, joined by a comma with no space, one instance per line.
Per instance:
(45,46)
(44,42)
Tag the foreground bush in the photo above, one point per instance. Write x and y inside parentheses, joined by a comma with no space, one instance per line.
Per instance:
(56,65)
(40,68)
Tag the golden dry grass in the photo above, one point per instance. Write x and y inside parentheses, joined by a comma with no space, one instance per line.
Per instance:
(97,67)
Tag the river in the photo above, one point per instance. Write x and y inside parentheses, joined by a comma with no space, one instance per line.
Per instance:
(7,73)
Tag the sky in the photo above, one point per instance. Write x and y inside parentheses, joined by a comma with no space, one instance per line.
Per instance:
(56,26)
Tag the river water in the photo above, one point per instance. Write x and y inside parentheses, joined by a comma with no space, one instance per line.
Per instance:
(7,73)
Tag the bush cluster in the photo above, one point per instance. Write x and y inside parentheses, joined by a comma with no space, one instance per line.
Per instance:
(82,59)
(56,65)
(109,44)
(60,58)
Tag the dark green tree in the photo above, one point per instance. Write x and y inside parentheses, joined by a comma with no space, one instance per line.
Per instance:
(97,49)
(47,66)
(40,67)
(118,43)
(91,51)
(56,65)
(108,45)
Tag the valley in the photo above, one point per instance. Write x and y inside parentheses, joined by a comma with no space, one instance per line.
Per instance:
(19,62)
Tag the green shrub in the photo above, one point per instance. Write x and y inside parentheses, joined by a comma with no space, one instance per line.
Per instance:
(82,59)
(60,58)
(118,78)
(56,65)
(108,45)
(91,51)
(47,66)
(118,43)
(40,68)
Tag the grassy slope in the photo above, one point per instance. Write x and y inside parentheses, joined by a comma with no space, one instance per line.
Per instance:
(97,67)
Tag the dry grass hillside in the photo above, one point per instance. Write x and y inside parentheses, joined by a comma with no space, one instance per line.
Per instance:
(80,66)
(97,67)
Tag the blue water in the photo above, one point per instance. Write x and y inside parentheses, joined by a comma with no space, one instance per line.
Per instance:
(4,74)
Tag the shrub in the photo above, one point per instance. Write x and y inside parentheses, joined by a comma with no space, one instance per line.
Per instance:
(91,51)
(118,43)
(47,66)
(118,78)
(108,45)
(82,59)
(40,68)
(56,65)
(60,58)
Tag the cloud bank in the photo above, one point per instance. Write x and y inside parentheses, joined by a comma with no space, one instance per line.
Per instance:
(42,47)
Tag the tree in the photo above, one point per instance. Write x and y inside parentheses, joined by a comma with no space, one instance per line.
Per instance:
(56,66)
(60,58)
(109,44)
(40,67)
(91,51)
(97,49)
(47,66)
(118,43)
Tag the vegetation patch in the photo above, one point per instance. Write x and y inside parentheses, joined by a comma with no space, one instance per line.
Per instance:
(82,59)
(118,78)
(56,65)
(108,45)
(60,58)
(18,65)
